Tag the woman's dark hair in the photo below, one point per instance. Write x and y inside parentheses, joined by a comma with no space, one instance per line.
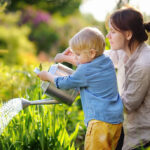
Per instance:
(130,19)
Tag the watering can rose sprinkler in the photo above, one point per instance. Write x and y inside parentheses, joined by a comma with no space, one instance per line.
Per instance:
(59,96)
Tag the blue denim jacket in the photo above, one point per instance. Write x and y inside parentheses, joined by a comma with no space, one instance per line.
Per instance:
(98,89)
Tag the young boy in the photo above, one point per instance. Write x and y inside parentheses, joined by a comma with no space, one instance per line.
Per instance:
(95,77)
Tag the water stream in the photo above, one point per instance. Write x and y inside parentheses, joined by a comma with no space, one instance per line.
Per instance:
(8,110)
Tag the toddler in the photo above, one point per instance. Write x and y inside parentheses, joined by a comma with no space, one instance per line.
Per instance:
(95,76)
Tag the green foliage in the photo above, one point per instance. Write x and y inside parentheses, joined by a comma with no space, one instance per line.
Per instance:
(64,7)
(46,127)
(14,41)
(3,5)
(51,33)
(39,128)
(15,80)
(44,36)
(107,47)
(69,26)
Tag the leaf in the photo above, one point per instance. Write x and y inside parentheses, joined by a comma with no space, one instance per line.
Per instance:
(74,134)
(40,67)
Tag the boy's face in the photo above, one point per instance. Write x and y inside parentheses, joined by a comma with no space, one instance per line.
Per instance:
(83,57)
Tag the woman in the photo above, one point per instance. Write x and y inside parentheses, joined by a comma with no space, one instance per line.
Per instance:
(128,32)
(132,58)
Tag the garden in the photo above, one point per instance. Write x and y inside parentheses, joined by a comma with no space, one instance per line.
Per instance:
(31,34)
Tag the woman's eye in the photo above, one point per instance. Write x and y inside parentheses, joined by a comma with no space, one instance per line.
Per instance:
(112,31)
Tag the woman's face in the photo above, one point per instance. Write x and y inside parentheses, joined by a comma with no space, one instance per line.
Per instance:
(116,38)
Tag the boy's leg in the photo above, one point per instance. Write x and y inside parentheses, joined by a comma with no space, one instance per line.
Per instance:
(102,136)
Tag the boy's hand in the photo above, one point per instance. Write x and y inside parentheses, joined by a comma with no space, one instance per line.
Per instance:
(46,76)
(43,75)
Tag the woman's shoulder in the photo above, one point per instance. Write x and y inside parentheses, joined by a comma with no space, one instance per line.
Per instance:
(118,53)
(144,57)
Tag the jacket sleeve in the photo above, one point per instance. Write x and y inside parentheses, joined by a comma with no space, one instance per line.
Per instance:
(76,80)
(137,85)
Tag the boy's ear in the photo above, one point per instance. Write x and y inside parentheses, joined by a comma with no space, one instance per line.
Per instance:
(92,53)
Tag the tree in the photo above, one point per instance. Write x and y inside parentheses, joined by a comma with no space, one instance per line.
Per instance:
(65,7)
(121,3)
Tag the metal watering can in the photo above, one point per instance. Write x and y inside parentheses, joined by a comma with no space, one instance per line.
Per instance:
(60,96)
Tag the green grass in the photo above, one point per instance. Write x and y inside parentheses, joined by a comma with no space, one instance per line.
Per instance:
(44,127)
(38,128)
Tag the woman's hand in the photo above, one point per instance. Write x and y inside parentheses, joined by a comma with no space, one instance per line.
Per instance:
(66,56)
(68,52)
(59,58)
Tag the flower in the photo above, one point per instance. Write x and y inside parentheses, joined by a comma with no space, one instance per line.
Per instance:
(35,17)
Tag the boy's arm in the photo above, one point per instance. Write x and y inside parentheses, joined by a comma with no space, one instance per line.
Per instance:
(76,80)
(66,56)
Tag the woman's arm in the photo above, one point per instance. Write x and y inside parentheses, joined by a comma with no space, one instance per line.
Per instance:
(136,86)
(66,56)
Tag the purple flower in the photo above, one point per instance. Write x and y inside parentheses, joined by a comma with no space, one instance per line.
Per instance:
(41,17)
(30,15)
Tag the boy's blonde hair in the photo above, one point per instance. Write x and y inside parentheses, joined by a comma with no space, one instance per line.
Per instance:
(88,38)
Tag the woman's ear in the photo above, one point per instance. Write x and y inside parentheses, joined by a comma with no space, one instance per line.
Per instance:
(128,35)
(92,53)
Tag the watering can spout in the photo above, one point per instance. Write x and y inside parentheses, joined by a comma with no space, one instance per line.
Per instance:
(26,103)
